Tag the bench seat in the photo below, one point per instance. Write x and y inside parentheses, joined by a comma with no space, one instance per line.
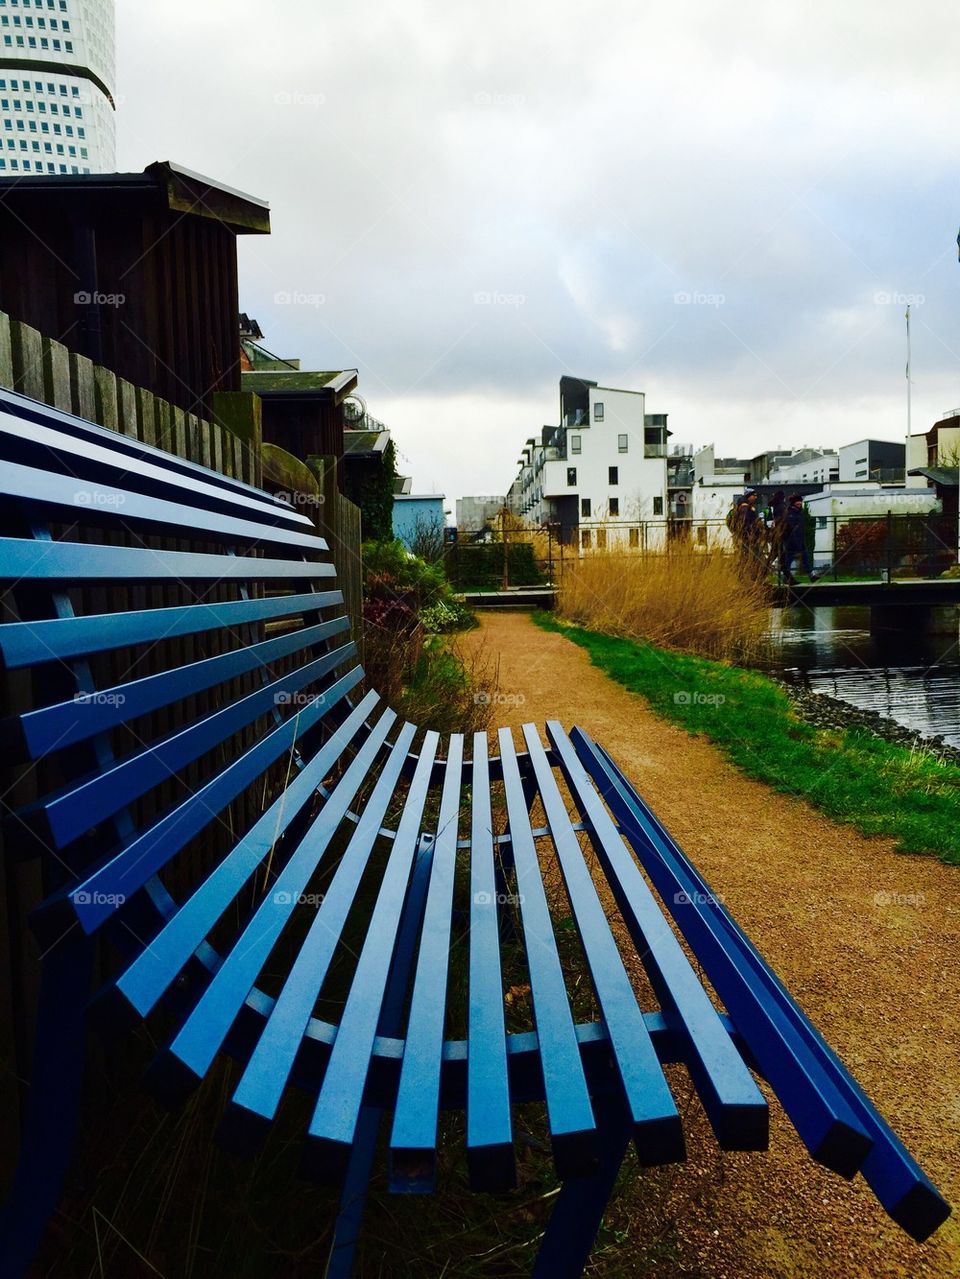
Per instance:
(206,780)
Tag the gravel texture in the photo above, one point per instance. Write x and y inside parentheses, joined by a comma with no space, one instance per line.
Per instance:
(868,941)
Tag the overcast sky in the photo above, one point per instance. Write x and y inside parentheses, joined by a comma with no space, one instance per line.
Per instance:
(725,206)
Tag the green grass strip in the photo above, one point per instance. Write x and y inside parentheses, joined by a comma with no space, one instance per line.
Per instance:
(878,787)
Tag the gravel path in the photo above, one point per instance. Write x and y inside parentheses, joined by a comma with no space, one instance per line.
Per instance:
(867,940)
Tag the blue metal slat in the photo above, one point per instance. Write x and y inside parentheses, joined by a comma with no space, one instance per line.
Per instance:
(192,1051)
(570,1114)
(39,434)
(68,814)
(823,1119)
(264,1079)
(651,1109)
(102,892)
(734,1104)
(490,1156)
(414,1136)
(78,563)
(900,1184)
(83,501)
(24,644)
(65,723)
(334,1121)
(151,973)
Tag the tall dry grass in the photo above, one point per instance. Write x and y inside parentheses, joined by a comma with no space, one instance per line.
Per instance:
(682,597)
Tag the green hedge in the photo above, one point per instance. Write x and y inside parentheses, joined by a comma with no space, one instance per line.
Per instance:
(473,567)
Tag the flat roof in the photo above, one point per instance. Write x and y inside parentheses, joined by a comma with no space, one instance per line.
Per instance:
(185,192)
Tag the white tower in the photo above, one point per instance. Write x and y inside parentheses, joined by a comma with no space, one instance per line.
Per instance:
(57,66)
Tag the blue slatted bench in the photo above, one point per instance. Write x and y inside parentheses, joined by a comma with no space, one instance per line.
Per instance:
(191,744)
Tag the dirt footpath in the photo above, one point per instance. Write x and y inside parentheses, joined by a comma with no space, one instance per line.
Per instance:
(866,939)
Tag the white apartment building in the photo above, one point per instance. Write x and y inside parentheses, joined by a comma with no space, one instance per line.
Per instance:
(601,471)
(57,72)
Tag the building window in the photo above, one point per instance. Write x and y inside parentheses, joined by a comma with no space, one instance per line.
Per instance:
(585,539)
(585,507)
(658,506)
(598,412)
(633,537)
(622,443)
(613,475)
(614,506)
(701,534)
(571,477)
(601,539)
(821,521)
(574,443)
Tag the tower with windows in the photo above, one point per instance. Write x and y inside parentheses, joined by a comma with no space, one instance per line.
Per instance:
(57,105)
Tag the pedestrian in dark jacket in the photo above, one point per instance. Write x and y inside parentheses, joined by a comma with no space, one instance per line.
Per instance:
(795,541)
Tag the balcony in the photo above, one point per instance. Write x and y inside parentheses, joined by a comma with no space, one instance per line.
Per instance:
(654,450)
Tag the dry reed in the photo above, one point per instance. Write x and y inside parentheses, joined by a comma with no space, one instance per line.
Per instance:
(683,597)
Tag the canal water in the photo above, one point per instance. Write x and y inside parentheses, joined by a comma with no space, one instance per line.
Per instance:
(911,677)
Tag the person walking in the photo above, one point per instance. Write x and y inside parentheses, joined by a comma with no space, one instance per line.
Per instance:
(795,541)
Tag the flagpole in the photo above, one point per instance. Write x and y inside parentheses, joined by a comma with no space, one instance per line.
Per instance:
(906,456)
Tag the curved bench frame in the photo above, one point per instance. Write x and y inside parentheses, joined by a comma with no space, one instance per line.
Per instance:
(104,856)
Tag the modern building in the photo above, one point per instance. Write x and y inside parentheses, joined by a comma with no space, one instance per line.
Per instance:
(57,69)
(940,446)
(605,465)
(839,503)
(419,520)
(805,466)
(880,460)
(474,514)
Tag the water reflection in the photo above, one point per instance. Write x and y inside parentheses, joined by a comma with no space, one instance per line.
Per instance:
(912,677)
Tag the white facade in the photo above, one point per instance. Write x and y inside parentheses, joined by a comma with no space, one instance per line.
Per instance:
(822,468)
(475,513)
(843,500)
(57,71)
(606,467)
